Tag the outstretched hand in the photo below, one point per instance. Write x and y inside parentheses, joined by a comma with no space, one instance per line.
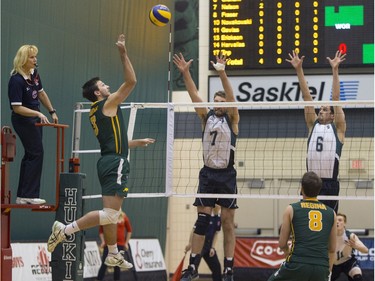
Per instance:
(295,60)
(339,58)
(180,62)
(121,43)
(221,61)
(146,141)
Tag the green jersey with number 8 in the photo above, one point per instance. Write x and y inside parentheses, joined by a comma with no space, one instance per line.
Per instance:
(311,227)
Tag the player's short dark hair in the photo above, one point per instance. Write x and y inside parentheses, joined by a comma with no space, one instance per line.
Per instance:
(220,94)
(311,184)
(342,215)
(89,88)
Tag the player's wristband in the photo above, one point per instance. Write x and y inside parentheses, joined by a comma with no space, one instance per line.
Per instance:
(52,111)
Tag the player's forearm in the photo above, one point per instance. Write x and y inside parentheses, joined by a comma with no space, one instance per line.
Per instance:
(226,86)
(43,97)
(127,238)
(335,84)
(191,87)
(331,260)
(306,95)
(129,73)
(283,244)
(361,247)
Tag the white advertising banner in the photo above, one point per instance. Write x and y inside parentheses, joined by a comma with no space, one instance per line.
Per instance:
(31,261)
(93,260)
(286,88)
(147,255)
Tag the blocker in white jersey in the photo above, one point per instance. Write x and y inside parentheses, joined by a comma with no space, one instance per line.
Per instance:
(219,142)
(220,129)
(324,151)
(326,130)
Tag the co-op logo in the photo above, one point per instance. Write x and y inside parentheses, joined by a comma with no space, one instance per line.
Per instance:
(268,252)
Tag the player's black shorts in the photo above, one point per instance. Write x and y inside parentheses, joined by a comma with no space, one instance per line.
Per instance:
(345,267)
(217,181)
(330,187)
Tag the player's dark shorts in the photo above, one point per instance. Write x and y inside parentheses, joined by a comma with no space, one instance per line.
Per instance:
(330,187)
(345,267)
(300,272)
(217,181)
(113,171)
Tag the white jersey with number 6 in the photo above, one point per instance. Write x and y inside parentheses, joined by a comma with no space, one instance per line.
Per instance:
(324,151)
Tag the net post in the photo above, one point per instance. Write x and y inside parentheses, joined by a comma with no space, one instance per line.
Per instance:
(68,257)
(169,62)
(76,138)
(131,124)
(77,121)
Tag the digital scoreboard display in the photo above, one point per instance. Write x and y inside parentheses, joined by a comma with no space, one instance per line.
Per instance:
(257,34)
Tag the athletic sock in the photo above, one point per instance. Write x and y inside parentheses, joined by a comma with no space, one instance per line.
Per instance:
(228,263)
(194,261)
(71,228)
(112,249)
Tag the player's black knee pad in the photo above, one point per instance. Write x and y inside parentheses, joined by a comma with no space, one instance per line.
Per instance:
(357,277)
(202,223)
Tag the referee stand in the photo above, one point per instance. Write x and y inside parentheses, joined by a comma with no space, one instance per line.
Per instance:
(8,152)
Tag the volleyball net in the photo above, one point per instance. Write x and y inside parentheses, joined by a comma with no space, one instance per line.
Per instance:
(270,156)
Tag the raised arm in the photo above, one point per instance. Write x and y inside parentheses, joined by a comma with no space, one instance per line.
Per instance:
(184,67)
(339,120)
(296,62)
(110,107)
(233,114)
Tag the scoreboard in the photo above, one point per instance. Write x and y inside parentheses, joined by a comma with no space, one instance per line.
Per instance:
(259,34)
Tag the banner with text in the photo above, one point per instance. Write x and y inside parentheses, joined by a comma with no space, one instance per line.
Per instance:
(147,255)
(286,88)
(263,252)
(31,261)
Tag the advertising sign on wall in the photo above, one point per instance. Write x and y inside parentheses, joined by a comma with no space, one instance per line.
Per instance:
(286,88)
(31,261)
(147,255)
(262,252)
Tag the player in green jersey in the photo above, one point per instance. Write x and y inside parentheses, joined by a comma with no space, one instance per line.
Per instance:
(311,225)
(113,167)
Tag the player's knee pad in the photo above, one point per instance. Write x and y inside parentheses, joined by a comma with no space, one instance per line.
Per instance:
(357,277)
(202,223)
(108,216)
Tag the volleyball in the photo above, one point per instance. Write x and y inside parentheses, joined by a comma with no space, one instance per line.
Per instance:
(160,15)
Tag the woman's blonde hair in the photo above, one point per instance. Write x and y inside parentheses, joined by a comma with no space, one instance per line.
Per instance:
(21,57)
